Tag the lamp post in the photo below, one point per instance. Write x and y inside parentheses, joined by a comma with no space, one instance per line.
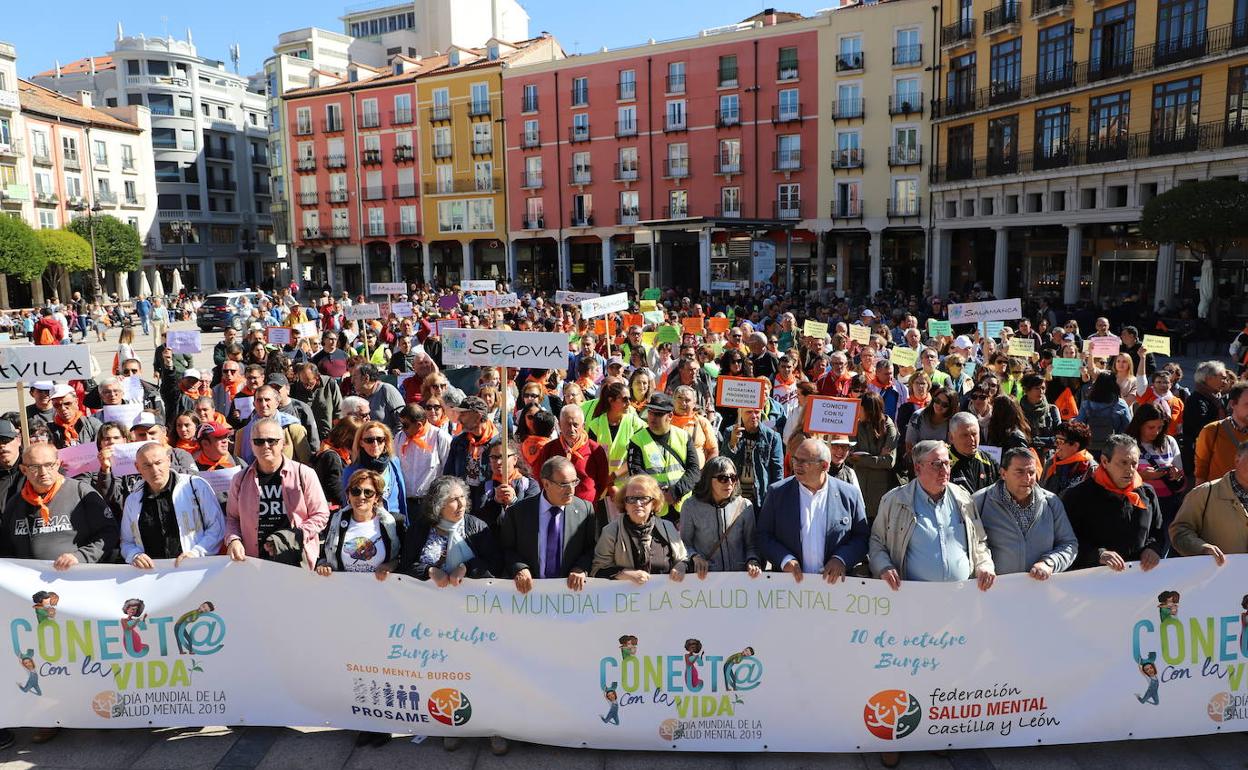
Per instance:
(95,267)
(182,228)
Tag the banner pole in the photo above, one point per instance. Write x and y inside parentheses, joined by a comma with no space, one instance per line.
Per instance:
(21,410)
(503,414)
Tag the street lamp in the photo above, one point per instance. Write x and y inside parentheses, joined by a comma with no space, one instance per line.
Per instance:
(182,228)
(95,267)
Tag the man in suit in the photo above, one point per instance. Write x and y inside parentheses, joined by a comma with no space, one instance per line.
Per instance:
(813,523)
(551,535)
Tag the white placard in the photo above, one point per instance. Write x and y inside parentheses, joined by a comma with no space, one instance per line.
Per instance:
(307,329)
(244,405)
(27,363)
(832,415)
(1104,347)
(80,458)
(184,341)
(123,414)
(497,301)
(612,303)
(739,392)
(219,479)
(402,309)
(574,297)
(992,451)
(123,458)
(487,347)
(992,310)
(478,285)
(446,323)
(133,388)
(394,287)
(362,312)
(278,335)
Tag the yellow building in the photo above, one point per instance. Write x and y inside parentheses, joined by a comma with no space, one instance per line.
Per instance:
(461,158)
(1058,120)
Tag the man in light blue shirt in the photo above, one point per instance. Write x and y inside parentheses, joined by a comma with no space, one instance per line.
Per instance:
(937,552)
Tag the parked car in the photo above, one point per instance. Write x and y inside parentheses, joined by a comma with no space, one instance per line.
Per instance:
(221,310)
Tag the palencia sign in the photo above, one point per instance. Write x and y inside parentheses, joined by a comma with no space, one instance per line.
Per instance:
(26,363)
(487,347)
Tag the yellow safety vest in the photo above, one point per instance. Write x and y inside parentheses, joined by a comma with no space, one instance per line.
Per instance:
(666,467)
(617,448)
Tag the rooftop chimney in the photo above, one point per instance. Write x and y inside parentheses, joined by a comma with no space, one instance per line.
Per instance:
(84,98)
(769,17)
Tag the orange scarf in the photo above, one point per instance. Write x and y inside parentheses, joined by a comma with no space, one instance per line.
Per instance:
(232,388)
(683,420)
(187,444)
(419,438)
(919,402)
(531,447)
(1102,478)
(640,406)
(487,435)
(513,473)
(571,451)
(343,453)
(1082,455)
(782,382)
(41,501)
(192,392)
(67,426)
(223,461)
(586,383)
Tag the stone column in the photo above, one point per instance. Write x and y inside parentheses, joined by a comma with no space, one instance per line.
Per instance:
(468,266)
(842,267)
(513,257)
(565,264)
(704,258)
(1164,291)
(821,262)
(1074,263)
(1001,263)
(875,248)
(608,262)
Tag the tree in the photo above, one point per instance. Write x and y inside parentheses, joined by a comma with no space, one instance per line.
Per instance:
(21,253)
(1208,218)
(67,252)
(117,245)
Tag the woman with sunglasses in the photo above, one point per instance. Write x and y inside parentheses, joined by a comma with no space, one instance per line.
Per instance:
(932,422)
(717,523)
(640,543)
(612,422)
(373,449)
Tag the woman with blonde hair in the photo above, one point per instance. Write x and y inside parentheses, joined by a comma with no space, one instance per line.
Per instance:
(640,543)
(373,449)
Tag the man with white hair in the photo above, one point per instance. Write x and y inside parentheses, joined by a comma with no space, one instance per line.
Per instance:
(354,405)
(1206,404)
(836,381)
(973,470)
(766,363)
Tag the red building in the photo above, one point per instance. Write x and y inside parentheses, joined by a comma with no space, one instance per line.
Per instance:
(703,146)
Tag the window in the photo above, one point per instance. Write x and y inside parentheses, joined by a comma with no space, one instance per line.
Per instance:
(442,142)
(530,138)
(630,207)
(849,100)
(1108,126)
(223,113)
(186,137)
(224,234)
(475,215)
(849,149)
(127,157)
(376,222)
(786,65)
(1237,102)
(444,178)
(533,218)
(580,168)
(677,204)
(788,107)
(69,145)
(165,138)
(158,67)
(906,97)
(730,201)
(905,147)
(960,148)
(580,127)
(483,175)
(1180,29)
(311,224)
(441,109)
(849,55)
(1176,110)
(190,172)
(907,47)
(160,104)
(582,210)
(905,198)
(303,120)
(407,220)
(1003,145)
(627,163)
(482,138)
(43,183)
(628,84)
(789,200)
(676,77)
(789,152)
(341,222)
(371,117)
(1053,135)
(529,103)
(678,159)
(729,109)
(103,187)
(626,120)
(960,83)
(729,160)
(1005,70)
(132,67)
(1113,35)
(580,91)
(39,144)
(100,151)
(480,99)
(73,186)
(533,171)
(675,116)
(333,117)
(728,71)
(185,108)
(403,108)
(167,171)
(131,191)
(47,219)
(1056,62)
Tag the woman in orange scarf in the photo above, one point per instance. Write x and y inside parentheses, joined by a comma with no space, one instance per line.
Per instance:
(685,416)
(1072,463)
(640,386)
(535,430)
(186,432)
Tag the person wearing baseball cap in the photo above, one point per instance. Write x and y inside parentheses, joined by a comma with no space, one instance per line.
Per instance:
(665,452)
(189,391)
(41,394)
(10,459)
(467,456)
(214,448)
(70,426)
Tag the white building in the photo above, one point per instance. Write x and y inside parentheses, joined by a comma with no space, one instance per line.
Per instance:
(14,181)
(210,143)
(425,27)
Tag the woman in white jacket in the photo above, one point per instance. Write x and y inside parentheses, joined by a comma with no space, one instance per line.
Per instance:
(191,505)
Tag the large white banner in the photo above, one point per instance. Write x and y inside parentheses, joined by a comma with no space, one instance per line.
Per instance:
(487,347)
(725,664)
(991,310)
(27,363)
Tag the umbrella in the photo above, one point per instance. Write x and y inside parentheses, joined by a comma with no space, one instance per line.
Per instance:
(1206,287)
(158,284)
(145,288)
(176,285)
(123,286)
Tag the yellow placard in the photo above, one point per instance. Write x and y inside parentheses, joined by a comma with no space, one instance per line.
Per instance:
(648,304)
(902,356)
(647,339)
(815,329)
(1155,343)
(1022,348)
(859,333)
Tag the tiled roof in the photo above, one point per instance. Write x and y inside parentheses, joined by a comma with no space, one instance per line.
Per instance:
(81,65)
(42,101)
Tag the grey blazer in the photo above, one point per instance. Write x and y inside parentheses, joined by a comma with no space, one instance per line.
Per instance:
(702,524)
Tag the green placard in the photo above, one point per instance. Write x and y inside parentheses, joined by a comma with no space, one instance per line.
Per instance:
(653,317)
(651,293)
(1067,367)
(939,328)
(668,334)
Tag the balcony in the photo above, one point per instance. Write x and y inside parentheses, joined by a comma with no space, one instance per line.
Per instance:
(46,198)
(441,151)
(306,164)
(483,147)
(577,134)
(336,197)
(625,172)
(1042,8)
(848,109)
(479,109)
(786,160)
(728,163)
(726,118)
(331,125)
(404,190)
(786,113)
(849,62)
(404,154)
(675,168)
(629,216)
(958,33)
(904,156)
(905,104)
(846,210)
(401,117)
(100,162)
(260,159)
(904,209)
(339,232)
(728,77)
(312,233)
(532,181)
(375,229)
(676,212)
(370,157)
(626,91)
(1183,48)
(377,193)
(71,160)
(12,148)
(580,219)
(529,141)
(128,166)
(625,128)
(732,212)
(579,176)
(790,209)
(335,161)
(1003,17)
(786,70)
(224,185)
(848,159)
(440,113)
(370,120)
(41,157)
(529,105)
(1107,149)
(106,198)
(134,202)
(1056,79)
(675,84)
(308,198)
(303,129)
(675,123)
(408,228)
(907,55)
(535,222)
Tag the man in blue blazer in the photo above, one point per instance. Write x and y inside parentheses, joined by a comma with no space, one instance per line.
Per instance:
(813,523)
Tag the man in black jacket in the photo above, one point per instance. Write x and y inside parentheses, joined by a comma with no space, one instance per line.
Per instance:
(10,455)
(1206,404)
(551,535)
(1116,514)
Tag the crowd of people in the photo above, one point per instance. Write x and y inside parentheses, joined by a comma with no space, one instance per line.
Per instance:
(357,450)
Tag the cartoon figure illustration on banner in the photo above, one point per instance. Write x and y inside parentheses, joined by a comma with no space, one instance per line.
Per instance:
(133,619)
(693,657)
(730,666)
(1148,668)
(1168,605)
(628,643)
(32,675)
(612,717)
(45,605)
(1243,616)
(182,627)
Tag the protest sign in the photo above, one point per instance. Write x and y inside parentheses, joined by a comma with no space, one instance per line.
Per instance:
(245,405)
(903,356)
(939,328)
(816,329)
(992,310)
(827,414)
(739,393)
(1067,367)
(80,458)
(396,287)
(633,319)
(992,329)
(648,305)
(133,387)
(220,479)
(860,334)
(362,311)
(693,325)
(612,303)
(478,285)
(278,335)
(123,414)
(124,456)
(183,341)
(992,451)
(402,309)
(647,338)
(27,363)
(448,301)
(651,293)
(307,329)
(654,317)
(1104,347)
(601,326)
(1021,348)
(446,323)
(497,301)
(574,297)
(717,324)
(667,334)
(1157,344)
(487,347)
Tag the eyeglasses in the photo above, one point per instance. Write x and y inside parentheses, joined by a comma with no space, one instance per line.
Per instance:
(796,461)
(433,407)
(373,440)
(727,478)
(43,467)
(499,458)
(367,494)
(564,484)
(638,500)
(128,372)
(938,464)
(262,441)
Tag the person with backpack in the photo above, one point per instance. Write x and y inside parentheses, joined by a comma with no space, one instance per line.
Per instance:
(1104,411)
(48,330)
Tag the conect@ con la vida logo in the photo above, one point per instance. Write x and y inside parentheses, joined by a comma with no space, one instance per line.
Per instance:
(892,714)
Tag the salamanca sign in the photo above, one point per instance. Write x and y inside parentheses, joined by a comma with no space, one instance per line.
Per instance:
(486,347)
(26,363)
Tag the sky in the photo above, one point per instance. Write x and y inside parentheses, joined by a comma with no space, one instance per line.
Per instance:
(255,25)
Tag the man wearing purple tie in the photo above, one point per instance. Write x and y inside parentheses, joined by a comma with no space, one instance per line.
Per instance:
(551,535)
